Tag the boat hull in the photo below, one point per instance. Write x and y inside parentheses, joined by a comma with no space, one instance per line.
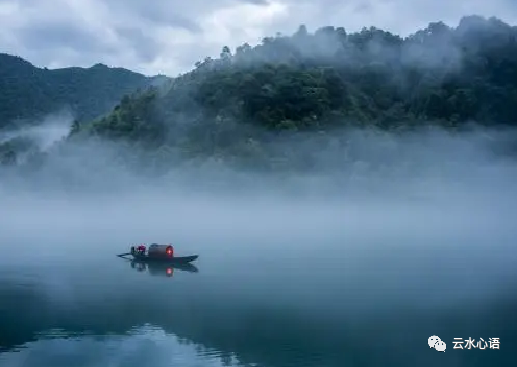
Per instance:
(169,260)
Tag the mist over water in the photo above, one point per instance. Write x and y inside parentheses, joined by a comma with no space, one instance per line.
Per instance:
(356,263)
(45,132)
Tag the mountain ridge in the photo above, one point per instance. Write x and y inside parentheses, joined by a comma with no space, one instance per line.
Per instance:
(326,80)
(239,106)
(30,93)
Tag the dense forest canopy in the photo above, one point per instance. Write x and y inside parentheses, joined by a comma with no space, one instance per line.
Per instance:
(30,93)
(328,78)
(233,107)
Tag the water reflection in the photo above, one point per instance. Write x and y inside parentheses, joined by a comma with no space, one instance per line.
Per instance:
(142,346)
(161,270)
(104,312)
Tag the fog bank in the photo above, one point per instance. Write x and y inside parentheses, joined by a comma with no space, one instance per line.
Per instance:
(418,184)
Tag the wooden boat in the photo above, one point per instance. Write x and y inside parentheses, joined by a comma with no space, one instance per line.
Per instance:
(158,254)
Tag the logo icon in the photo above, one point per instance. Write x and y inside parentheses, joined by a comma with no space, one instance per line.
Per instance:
(436,343)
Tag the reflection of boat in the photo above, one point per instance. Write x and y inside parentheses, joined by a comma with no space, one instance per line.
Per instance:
(158,254)
(161,269)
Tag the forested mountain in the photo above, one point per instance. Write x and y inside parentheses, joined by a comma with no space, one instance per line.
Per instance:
(233,107)
(30,93)
(330,79)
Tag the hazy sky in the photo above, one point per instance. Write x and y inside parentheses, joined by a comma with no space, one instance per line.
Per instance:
(169,36)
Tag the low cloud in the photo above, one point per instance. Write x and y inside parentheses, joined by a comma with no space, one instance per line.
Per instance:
(169,37)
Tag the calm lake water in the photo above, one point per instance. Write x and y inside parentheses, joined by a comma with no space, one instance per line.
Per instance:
(362,299)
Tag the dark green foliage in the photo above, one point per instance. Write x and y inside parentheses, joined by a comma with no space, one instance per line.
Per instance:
(331,78)
(30,93)
(232,107)
(12,149)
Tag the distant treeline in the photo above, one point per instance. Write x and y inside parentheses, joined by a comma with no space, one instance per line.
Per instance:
(235,105)
(30,93)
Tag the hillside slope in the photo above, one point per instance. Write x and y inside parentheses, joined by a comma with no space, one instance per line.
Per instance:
(30,93)
(330,79)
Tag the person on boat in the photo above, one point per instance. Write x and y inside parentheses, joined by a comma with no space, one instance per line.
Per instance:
(141,249)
